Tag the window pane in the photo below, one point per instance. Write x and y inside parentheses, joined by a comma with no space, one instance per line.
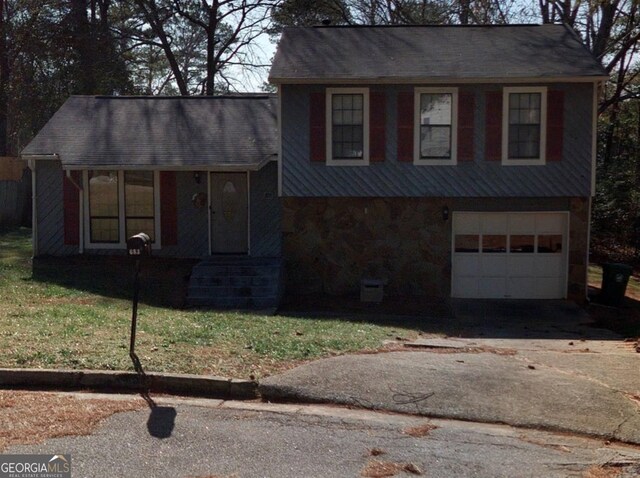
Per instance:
(491,243)
(524,141)
(135,226)
(467,243)
(139,203)
(138,192)
(103,206)
(435,142)
(104,230)
(103,193)
(519,244)
(347,142)
(550,243)
(435,108)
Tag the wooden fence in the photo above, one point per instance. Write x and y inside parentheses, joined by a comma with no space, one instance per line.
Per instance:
(15,193)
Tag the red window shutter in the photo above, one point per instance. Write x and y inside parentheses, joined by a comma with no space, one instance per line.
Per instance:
(168,208)
(405,126)
(466,117)
(71,206)
(317,127)
(493,132)
(555,125)
(377,119)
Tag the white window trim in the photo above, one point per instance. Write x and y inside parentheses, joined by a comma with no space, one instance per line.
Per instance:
(541,160)
(121,244)
(365,127)
(417,160)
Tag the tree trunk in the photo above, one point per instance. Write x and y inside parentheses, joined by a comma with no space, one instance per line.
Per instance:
(151,15)
(610,136)
(211,49)
(4,83)
(465,10)
(83,44)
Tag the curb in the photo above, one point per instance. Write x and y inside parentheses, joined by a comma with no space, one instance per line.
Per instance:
(205,386)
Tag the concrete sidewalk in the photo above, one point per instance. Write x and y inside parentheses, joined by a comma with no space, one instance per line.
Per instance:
(499,374)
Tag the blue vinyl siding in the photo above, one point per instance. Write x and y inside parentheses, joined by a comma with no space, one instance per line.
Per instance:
(266,212)
(478,178)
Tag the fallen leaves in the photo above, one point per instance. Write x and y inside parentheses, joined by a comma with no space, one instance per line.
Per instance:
(33,417)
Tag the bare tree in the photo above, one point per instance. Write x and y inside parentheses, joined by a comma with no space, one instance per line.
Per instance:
(4,80)
(229,30)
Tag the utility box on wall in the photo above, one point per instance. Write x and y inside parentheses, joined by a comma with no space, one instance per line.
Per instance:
(371,290)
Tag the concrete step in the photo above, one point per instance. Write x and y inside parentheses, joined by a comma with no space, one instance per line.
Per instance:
(236,282)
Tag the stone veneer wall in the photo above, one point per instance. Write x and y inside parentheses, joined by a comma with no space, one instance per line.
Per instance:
(329,244)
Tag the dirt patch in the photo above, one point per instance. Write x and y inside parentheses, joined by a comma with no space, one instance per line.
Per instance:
(28,418)
(382,469)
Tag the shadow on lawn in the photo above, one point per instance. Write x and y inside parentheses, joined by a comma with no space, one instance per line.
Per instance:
(163,282)
(469,318)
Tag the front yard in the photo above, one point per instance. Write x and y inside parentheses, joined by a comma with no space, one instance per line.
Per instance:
(71,313)
(61,314)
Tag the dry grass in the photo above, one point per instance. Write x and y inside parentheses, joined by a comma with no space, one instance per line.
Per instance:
(420,431)
(383,469)
(30,418)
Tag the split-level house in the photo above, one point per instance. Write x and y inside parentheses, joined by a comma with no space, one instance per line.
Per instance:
(439,161)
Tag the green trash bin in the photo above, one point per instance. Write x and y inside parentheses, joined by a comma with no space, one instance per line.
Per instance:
(614,283)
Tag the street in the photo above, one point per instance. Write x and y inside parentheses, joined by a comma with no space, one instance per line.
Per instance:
(209,438)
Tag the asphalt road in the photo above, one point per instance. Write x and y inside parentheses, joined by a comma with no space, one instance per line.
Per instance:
(200,438)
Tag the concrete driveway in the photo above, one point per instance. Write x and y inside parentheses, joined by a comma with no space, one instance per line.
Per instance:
(537,364)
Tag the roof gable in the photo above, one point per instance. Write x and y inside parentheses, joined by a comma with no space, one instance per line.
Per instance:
(433,53)
(161,132)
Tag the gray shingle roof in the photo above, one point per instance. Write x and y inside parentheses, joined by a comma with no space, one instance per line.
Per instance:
(431,53)
(163,132)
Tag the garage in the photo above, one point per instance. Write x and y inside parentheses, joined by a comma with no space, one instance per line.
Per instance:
(510,255)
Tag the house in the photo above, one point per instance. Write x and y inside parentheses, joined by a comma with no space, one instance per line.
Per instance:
(444,161)
(450,161)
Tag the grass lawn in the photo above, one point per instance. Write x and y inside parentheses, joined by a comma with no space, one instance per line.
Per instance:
(61,314)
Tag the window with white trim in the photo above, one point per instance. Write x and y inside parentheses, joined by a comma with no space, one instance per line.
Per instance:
(119,204)
(347,126)
(524,112)
(435,126)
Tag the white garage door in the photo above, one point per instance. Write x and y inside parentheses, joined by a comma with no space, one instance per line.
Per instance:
(509,255)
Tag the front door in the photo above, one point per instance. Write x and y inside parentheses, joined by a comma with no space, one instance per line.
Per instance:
(229,213)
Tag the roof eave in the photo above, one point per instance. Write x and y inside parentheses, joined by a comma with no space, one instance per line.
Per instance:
(229,167)
(437,80)
(40,156)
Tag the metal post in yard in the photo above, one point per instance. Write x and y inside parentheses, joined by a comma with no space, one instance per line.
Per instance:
(134,314)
